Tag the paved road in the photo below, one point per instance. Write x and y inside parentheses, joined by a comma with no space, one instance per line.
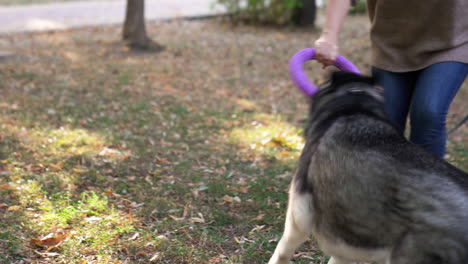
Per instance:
(85,13)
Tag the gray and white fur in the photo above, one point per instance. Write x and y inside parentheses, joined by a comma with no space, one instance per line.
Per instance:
(367,194)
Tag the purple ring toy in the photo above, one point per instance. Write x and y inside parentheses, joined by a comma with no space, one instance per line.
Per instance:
(299,76)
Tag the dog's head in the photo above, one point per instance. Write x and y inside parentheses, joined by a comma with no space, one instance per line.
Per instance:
(347,93)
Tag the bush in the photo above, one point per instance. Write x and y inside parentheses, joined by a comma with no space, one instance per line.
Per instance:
(277,12)
(359,8)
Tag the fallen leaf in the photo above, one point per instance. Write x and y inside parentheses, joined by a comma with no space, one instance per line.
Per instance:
(72,56)
(14,208)
(239,241)
(79,170)
(186,210)
(257,228)
(135,205)
(93,219)
(131,178)
(243,240)
(197,220)
(7,187)
(148,180)
(52,248)
(302,254)
(229,199)
(177,218)
(259,217)
(135,236)
(154,257)
(109,191)
(243,189)
(48,254)
(130,215)
(57,166)
(48,241)
(196,193)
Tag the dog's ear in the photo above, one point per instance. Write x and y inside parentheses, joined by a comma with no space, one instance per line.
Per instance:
(341,77)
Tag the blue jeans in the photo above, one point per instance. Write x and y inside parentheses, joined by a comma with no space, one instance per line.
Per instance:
(426,95)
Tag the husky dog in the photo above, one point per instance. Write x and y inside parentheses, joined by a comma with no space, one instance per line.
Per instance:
(367,194)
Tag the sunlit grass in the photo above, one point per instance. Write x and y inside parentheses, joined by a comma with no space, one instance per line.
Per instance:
(270,136)
(42,171)
(70,141)
(95,224)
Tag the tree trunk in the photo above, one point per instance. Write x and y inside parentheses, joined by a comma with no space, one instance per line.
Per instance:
(305,15)
(134,29)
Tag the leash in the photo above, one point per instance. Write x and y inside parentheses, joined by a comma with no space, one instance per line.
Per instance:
(460,124)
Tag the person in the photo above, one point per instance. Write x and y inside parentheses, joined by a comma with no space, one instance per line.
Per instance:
(419,55)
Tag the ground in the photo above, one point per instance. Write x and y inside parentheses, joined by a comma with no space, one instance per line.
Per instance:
(184,156)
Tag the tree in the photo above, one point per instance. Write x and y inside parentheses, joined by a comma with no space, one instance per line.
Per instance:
(279,12)
(305,15)
(134,29)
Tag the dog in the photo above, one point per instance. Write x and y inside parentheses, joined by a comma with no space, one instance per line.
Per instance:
(366,193)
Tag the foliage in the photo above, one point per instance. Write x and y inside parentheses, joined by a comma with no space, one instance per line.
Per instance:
(279,12)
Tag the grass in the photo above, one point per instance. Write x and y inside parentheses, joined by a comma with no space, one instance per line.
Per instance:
(179,157)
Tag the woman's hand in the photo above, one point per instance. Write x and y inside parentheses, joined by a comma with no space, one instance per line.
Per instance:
(326,47)
(326,50)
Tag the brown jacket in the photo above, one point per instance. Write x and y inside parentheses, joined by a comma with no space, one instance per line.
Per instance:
(409,35)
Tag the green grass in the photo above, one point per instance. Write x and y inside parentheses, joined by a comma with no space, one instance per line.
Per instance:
(459,155)
(179,157)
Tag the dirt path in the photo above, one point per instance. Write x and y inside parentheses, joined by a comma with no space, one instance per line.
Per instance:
(53,16)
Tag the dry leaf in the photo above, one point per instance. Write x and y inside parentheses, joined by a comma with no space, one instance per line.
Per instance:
(154,257)
(7,187)
(109,191)
(229,199)
(130,215)
(259,217)
(186,210)
(197,220)
(14,208)
(57,166)
(244,189)
(48,241)
(135,236)
(257,228)
(238,241)
(131,178)
(47,254)
(177,218)
(135,205)
(72,56)
(79,170)
(148,180)
(196,193)
(93,219)
(243,240)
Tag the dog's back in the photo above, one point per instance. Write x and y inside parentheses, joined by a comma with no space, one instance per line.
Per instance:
(374,196)
(372,189)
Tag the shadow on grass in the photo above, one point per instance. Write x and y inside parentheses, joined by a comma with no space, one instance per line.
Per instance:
(188,184)
(180,178)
